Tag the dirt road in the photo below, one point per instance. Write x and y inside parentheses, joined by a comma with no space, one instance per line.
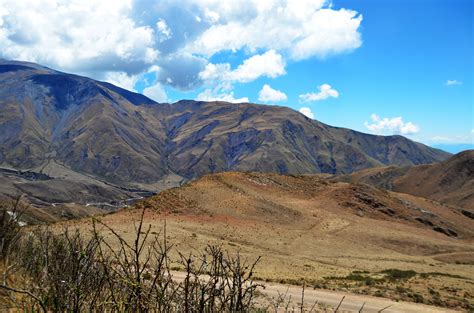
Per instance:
(351,302)
(331,299)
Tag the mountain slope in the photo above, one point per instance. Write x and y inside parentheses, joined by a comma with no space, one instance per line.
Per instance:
(214,137)
(451,181)
(280,199)
(51,118)
(305,227)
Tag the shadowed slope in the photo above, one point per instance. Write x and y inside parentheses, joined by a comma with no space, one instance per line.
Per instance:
(451,181)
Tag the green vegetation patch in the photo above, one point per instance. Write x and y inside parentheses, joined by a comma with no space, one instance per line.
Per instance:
(391,274)
(396,274)
(356,276)
(426,275)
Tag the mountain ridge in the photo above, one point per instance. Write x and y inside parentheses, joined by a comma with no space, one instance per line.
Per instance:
(123,137)
(450,181)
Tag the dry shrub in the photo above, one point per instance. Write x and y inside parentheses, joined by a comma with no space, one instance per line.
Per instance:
(71,271)
(10,215)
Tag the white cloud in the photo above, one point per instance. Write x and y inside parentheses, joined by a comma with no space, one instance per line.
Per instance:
(92,37)
(211,16)
(163,29)
(269,64)
(452,82)
(307,111)
(268,94)
(333,32)
(390,126)
(217,94)
(121,79)
(325,91)
(221,77)
(96,38)
(156,92)
(215,72)
(303,28)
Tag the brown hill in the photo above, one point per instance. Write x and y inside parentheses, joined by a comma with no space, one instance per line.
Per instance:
(451,181)
(307,227)
(60,121)
(276,199)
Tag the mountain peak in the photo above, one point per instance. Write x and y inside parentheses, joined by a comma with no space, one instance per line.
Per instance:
(68,89)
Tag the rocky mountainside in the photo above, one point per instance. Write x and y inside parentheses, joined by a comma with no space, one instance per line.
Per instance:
(451,181)
(52,122)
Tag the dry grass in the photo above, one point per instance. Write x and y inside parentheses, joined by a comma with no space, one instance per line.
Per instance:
(303,232)
(66,270)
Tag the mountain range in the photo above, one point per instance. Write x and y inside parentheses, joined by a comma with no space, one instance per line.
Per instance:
(450,181)
(65,128)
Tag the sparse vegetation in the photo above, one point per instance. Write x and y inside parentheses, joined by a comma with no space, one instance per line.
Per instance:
(396,274)
(406,285)
(106,274)
(10,214)
(68,271)
(426,275)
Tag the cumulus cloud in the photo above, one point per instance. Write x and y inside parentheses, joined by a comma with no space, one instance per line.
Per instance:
(122,79)
(125,37)
(302,28)
(222,77)
(333,32)
(452,82)
(307,111)
(163,30)
(325,91)
(219,94)
(269,64)
(268,94)
(156,92)
(390,126)
(215,72)
(91,37)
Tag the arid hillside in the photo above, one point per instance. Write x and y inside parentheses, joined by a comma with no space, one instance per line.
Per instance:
(69,142)
(51,119)
(451,181)
(323,232)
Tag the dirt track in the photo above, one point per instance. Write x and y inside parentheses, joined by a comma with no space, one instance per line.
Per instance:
(331,299)
(351,303)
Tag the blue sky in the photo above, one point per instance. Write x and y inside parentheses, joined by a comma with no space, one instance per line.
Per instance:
(384,67)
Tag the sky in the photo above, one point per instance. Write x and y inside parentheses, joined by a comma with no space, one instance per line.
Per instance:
(383,67)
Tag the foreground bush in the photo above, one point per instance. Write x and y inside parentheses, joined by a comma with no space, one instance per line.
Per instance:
(70,271)
(10,214)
